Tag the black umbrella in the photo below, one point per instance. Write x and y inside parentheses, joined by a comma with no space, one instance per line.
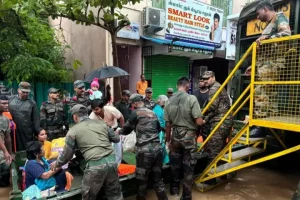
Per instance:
(106,72)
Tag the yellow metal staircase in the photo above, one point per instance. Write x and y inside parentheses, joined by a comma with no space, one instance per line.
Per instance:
(274,95)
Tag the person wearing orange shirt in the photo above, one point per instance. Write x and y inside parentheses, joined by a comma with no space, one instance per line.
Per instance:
(142,85)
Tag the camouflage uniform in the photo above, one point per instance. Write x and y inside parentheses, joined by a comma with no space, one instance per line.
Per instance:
(4,167)
(271,65)
(181,110)
(150,104)
(53,118)
(214,115)
(149,153)
(83,100)
(101,169)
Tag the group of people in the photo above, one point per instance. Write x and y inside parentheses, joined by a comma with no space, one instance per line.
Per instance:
(172,122)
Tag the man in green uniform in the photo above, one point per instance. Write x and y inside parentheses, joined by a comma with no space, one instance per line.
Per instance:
(93,138)
(182,114)
(271,64)
(149,153)
(5,144)
(148,101)
(81,95)
(52,115)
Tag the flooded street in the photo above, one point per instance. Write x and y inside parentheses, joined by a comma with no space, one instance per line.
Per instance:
(254,183)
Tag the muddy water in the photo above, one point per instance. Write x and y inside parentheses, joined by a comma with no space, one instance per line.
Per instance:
(255,183)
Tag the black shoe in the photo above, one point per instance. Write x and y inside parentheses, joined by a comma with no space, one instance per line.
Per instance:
(174,191)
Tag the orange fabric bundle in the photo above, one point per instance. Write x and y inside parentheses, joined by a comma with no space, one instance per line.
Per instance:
(69,178)
(125,169)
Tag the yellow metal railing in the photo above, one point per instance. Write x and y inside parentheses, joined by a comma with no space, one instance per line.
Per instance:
(275,84)
(291,45)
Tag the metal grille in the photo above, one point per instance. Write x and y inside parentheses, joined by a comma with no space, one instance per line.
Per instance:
(146,54)
(277,85)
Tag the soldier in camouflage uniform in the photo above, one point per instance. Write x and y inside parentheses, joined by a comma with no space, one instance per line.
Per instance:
(148,101)
(149,153)
(215,113)
(81,95)
(271,62)
(95,144)
(52,116)
(182,114)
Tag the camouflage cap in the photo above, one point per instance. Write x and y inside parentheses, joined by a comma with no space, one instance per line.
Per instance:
(126,92)
(77,108)
(208,74)
(25,87)
(170,90)
(149,89)
(135,98)
(79,84)
(53,90)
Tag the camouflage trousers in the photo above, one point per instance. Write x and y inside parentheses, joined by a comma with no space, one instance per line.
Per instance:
(183,158)
(101,173)
(149,158)
(218,141)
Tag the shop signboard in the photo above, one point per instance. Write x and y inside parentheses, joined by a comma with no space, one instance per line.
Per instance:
(194,22)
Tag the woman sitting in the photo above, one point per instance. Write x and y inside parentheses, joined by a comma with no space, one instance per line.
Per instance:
(38,170)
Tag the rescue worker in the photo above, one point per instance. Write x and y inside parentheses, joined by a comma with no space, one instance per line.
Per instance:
(5,144)
(278,26)
(94,143)
(170,92)
(25,114)
(214,115)
(81,95)
(278,23)
(53,118)
(149,154)
(182,114)
(148,101)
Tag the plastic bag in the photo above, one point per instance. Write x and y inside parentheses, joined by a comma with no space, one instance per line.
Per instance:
(129,142)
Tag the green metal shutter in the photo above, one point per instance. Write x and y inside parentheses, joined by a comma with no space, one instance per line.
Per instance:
(165,70)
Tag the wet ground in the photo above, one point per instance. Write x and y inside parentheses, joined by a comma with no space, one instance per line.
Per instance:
(255,183)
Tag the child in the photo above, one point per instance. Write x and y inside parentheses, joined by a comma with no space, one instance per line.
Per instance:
(95,93)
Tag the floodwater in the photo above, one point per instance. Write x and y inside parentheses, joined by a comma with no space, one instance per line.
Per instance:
(254,183)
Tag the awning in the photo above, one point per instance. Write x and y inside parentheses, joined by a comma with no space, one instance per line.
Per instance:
(178,43)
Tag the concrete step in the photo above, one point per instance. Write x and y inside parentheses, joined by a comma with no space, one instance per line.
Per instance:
(242,153)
